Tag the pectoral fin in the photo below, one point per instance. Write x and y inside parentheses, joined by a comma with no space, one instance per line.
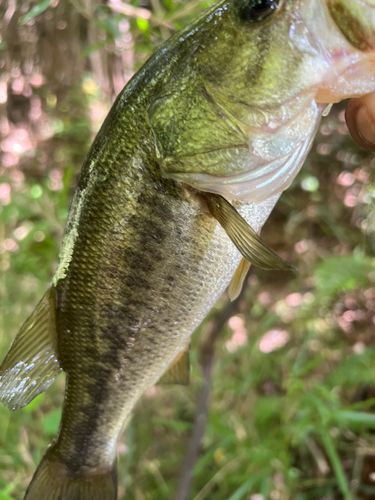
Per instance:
(31,364)
(236,284)
(251,246)
(179,370)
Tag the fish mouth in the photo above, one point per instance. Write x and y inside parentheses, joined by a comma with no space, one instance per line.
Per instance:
(347,43)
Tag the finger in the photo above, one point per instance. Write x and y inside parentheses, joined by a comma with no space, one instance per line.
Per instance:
(360,118)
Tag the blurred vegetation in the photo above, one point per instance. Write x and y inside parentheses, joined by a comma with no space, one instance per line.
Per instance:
(292,406)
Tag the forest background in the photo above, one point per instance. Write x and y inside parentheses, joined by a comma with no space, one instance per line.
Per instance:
(286,407)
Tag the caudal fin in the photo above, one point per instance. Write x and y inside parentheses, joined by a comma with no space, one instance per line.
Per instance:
(52,481)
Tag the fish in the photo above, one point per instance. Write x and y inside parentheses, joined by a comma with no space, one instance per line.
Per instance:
(170,201)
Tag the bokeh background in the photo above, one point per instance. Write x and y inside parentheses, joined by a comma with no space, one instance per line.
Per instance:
(291,395)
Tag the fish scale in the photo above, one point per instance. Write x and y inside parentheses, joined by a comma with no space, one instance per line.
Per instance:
(171,198)
(143,295)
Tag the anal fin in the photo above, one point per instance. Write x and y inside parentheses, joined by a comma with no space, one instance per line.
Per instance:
(179,371)
(236,284)
(31,364)
(251,246)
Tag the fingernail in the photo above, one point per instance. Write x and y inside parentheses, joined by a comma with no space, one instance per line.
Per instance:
(365,126)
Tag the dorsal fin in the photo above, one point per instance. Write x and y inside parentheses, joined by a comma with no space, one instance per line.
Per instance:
(251,246)
(179,371)
(31,364)
(235,286)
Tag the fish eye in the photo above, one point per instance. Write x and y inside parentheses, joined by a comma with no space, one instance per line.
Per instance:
(255,11)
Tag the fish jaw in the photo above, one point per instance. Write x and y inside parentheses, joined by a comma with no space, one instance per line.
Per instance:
(357,79)
(350,70)
(336,39)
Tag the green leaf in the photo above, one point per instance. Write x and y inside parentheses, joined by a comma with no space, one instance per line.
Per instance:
(35,11)
(362,405)
(358,417)
(336,464)
(51,422)
(177,425)
(142,24)
(343,273)
(243,489)
(35,403)
(67,177)
(4,494)
(36,191)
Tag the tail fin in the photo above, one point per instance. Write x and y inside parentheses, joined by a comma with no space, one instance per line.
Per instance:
(52,481)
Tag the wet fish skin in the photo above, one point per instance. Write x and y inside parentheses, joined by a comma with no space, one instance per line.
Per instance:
(154,284)
(142,260)
(148,265)
(141,266)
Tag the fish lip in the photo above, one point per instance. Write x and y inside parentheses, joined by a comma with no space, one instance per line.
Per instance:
(342,59)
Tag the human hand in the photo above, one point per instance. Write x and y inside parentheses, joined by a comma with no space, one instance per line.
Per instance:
(360,118)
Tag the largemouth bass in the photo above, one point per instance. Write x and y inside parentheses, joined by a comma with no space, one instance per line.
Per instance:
(170,200)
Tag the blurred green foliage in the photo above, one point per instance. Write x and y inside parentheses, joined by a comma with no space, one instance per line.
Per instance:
(292,404)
